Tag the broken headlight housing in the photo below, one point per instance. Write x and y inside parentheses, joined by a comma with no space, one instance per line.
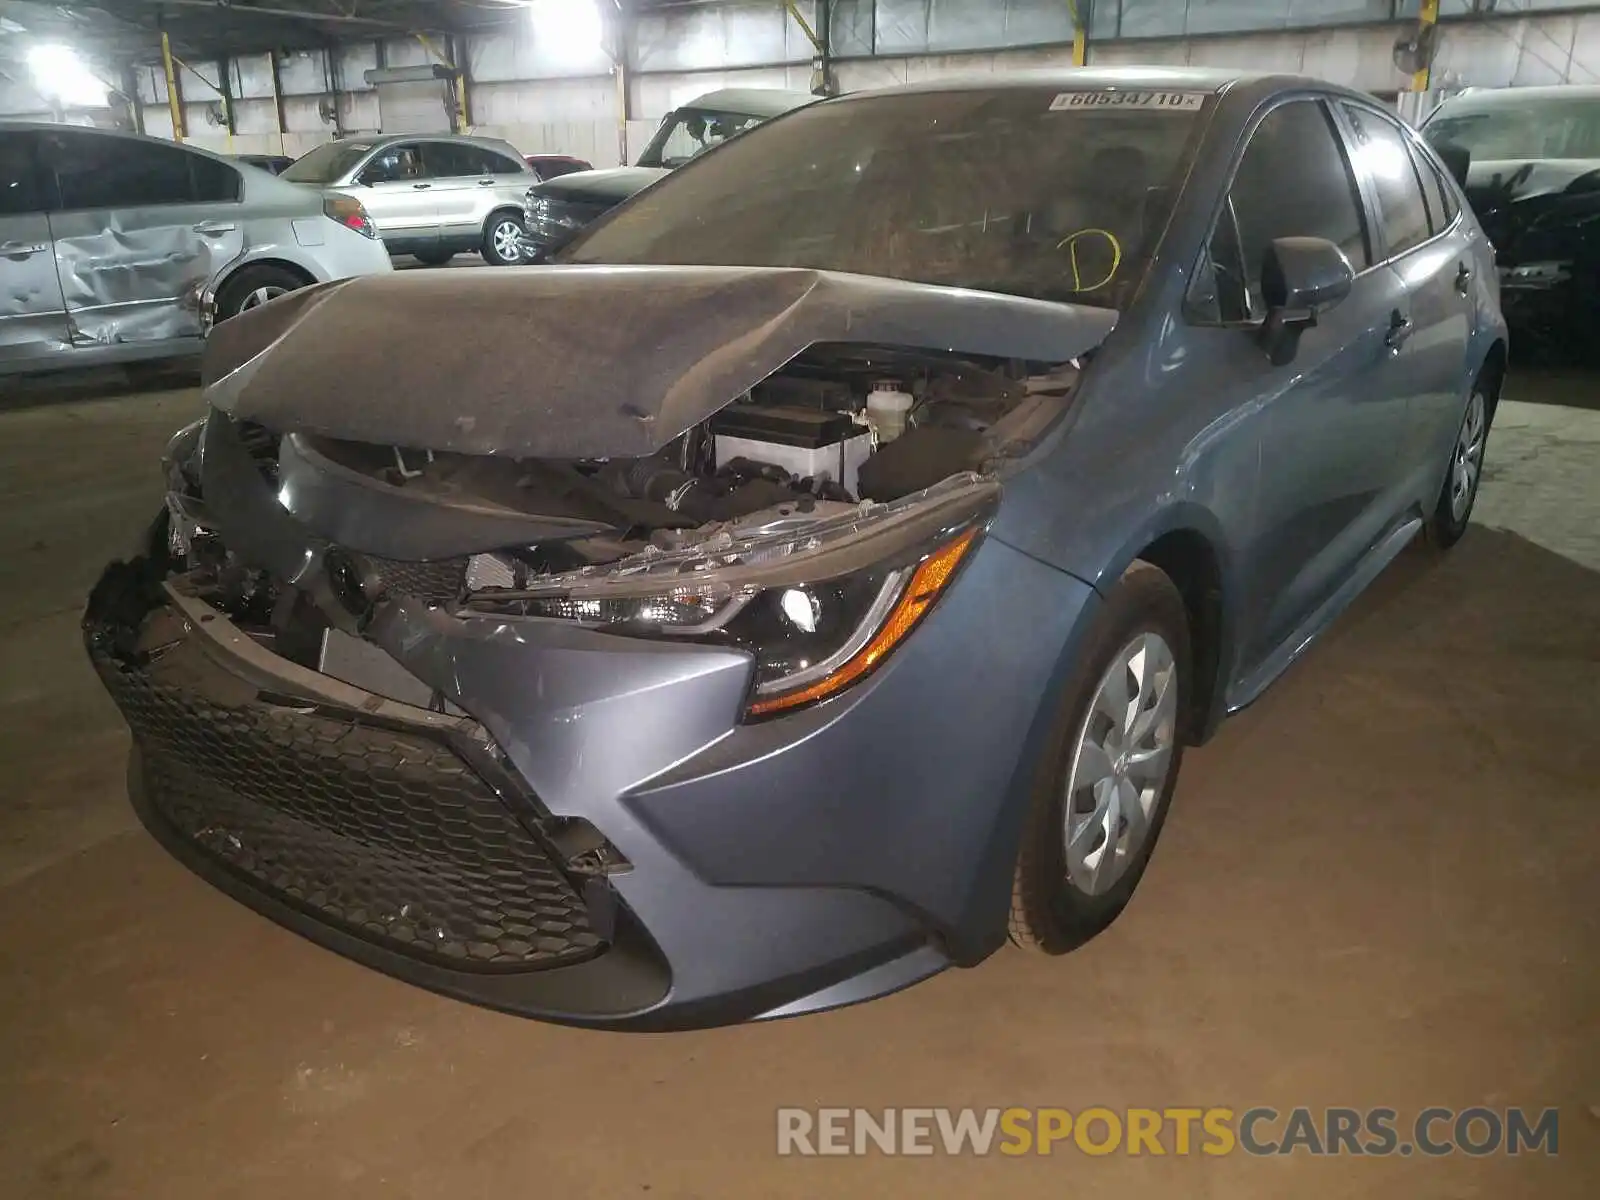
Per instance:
(819,606)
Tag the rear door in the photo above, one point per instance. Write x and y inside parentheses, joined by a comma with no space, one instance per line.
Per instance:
(1326,423)
(398,192)
(33,317)
(142,229)
(1431,251)
(460,175)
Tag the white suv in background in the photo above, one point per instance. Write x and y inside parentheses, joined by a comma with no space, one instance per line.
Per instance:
(115,247)
(431,195)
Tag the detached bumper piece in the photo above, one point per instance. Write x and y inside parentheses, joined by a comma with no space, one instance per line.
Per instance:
(383,831)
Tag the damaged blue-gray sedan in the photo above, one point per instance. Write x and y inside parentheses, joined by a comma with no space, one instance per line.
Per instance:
(815,577)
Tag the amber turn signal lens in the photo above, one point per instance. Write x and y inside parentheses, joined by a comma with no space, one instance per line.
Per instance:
(927,581)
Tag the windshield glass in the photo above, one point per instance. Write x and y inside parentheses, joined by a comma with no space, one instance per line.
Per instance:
(690,132)
(1553,127)
(326,163)
(1021,190)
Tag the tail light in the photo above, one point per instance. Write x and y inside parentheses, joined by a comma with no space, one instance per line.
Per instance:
(350,213)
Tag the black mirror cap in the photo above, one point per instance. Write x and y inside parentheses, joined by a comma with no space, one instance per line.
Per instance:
(1303,276)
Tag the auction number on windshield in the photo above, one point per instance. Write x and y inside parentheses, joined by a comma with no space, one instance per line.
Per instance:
(1154,101)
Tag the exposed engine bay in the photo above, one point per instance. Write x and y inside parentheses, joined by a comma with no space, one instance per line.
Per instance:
(843,438)
(800,446)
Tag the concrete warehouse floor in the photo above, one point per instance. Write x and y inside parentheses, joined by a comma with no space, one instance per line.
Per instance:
(1379,887)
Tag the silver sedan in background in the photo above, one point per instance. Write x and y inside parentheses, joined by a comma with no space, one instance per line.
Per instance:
(431,196)
(115,247)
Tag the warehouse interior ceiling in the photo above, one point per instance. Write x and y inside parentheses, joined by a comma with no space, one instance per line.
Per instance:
(128,29)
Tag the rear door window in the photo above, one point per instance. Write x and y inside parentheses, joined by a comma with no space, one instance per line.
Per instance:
(1293,180)
(1385,158)
(214,182)
(94,171)
(1441,207)
(454,160)
(503,164)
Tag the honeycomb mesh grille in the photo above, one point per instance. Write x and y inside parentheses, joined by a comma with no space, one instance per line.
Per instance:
(430,582)
(389,835)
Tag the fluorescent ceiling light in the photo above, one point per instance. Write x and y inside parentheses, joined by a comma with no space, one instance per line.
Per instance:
(59,74)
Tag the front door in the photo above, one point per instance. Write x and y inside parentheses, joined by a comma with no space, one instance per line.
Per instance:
(33,318)
(1326,425)
(398,192)
(142,229)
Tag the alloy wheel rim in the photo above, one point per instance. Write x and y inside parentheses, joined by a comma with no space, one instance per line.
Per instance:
(261,295)
(1120,764)
(507,240)
(1466,466)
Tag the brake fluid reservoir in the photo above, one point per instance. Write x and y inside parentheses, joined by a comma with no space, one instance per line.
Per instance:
(887,410)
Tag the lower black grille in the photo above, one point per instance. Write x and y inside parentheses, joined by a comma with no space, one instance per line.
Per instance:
(388,834)
(430,582)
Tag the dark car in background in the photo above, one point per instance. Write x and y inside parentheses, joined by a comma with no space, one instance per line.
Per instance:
(274,163)
(822,576)
(557,209)
(1531,159)
(553,166)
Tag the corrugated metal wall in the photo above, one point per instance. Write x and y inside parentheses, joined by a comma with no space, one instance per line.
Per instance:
(544,97)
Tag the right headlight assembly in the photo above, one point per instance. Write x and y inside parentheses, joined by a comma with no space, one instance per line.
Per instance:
(819,604)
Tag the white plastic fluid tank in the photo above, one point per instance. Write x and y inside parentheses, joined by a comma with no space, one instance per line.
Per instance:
(887,409)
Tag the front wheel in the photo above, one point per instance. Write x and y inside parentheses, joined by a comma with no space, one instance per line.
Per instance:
(1450,515)
(1104,789)
(502,240)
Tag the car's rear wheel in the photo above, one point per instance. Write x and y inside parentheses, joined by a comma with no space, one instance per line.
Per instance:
(502,240)
(253,287)
(1450,515)
(435,258)
(1104,788)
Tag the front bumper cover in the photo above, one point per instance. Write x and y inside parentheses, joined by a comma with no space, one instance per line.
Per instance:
(822,858)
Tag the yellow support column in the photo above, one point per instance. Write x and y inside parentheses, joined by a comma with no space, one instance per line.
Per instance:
(174,104)
(1428,17)
(1080,39)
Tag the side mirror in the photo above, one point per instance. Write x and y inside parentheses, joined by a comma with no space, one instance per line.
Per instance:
(1457,159)
(1301,278)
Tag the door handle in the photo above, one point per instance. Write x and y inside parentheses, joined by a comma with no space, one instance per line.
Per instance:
(22,250)
(485,183)
(1401,327)
(215,227)
(420,186)
(1463,278)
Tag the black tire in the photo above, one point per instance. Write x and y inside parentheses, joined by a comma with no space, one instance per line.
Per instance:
(493,236)
(245,288)
(1449,518)
(435,258)
(1050,913)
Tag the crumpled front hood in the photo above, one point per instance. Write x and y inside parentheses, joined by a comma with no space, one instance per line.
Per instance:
(1525,179)
(1535,208)
(582,361)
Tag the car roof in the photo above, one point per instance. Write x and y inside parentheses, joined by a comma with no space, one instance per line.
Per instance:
(1068,79)
(1511,97)
(10,126)
(756,102)
(376,140)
